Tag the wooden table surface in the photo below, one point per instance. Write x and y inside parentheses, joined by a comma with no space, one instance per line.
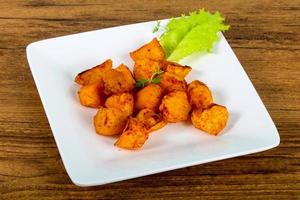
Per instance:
(265,35)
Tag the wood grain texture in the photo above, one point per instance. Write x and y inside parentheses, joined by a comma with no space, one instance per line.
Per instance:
(265,35)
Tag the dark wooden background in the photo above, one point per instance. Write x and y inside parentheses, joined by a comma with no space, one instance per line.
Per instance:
(265,35)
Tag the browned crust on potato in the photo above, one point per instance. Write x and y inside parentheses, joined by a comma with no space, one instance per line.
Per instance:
(115,82)
(212,120)
(93,75)
(109,121)
(148,97)
(170,83)
(91,95)
(151,119)
(162,123)
(132,140)
(199,95)
(122,101)
(134,135)
(176,69)
(175,107)
(145,68)
(151,50)
(127,74)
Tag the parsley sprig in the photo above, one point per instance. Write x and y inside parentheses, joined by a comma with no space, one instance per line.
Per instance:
(155,78)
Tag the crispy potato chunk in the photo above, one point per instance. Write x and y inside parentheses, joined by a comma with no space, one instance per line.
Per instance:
(146,114)
(148,97)
(123,102)
(199,95)
(115,83)
(134,124)
(152,51)
(170,83)
(127,74)
(157,126)
(211,120)
(134,135)
(145,68)
(91,95)
(94,74)
(132,140)
(176,69)
(175,106)
(109,121)
(151,120)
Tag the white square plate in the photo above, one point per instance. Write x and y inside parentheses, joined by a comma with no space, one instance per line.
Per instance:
(91,159)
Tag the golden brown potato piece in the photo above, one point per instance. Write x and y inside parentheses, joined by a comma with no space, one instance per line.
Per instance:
(134,135)
(199,95)
(91,95)
(115,82)
(123,102)
(211,120)
(157,126)
(127,74)
(170,83)
(132,140)
(109,121)
(145,68)
(146,114)
(151,120)
(94,74)
(134,124)
(175,106)
(152,51)
(176,69)
(148,97)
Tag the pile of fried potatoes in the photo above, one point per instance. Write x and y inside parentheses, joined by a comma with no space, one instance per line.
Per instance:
(133,112)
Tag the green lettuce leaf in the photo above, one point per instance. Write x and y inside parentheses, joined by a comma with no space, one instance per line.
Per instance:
(196,32)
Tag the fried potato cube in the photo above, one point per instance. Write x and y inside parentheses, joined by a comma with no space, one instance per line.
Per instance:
(151,120)
(123,102)
(134,135)
(115,82)
(132,140)
(170,83)
(175,106)
(127,74)
(148,97)
(134,124)
(109,121)
(152,50)
(146,114)
(145,68)
(91,95)
(158,126)
(199,95)
(211,120)
(94,74)
(176,69)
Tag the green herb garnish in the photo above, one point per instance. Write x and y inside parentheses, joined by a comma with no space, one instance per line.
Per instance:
(155,78)
(141,82)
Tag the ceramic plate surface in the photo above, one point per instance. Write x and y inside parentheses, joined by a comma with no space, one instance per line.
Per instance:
(91,159)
